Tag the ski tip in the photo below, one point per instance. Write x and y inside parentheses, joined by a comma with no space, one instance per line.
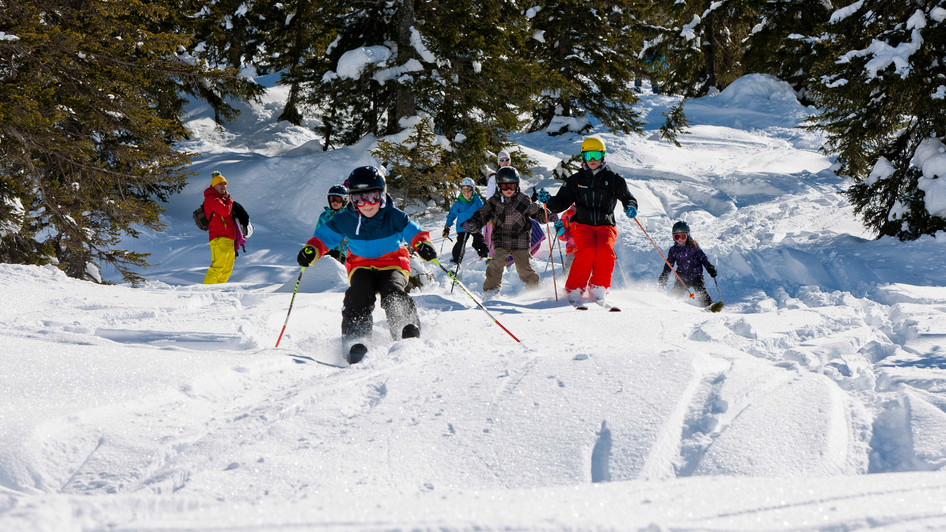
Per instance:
(410,331)
(581,307)
(356,353)
(614,309)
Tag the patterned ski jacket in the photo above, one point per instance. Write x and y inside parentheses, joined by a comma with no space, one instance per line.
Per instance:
(566,218)
(462,210)
(511,226)
(376,242)
(219,212)
(689,261)
(327,215)
(594,194)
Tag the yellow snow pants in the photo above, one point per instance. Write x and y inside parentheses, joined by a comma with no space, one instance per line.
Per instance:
(222,254)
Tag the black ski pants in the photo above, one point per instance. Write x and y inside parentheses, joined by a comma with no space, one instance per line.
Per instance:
(702,296)
(360,298)
(479,244)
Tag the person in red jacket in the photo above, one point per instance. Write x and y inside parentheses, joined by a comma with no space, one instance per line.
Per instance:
(218,206)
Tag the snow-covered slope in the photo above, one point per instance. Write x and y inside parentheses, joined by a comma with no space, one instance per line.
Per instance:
(813,401)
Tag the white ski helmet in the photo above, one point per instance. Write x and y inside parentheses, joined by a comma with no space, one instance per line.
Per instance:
(467,182)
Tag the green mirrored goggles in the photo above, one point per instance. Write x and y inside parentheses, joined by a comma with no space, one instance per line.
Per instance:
(592,155)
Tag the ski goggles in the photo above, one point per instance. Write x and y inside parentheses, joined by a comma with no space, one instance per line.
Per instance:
(593,155)
(508,186)
(339,199)
(372,197)
(680,237)
(504,160)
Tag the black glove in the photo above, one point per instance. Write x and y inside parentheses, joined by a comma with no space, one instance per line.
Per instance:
(662,280)
(446,231)
(307,256)
(426,251)
(710,269)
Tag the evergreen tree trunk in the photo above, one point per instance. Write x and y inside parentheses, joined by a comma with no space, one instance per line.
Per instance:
(404,103)
(708,46)
(291,112)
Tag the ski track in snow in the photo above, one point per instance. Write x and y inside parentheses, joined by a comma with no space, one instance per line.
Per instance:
(814,398)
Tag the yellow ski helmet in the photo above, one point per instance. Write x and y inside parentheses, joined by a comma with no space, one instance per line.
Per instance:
(592,144)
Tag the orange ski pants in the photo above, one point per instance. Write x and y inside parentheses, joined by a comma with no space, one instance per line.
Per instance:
(594,256)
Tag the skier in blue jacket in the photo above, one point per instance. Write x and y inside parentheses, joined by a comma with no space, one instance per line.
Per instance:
(690,261)
(337,201)
(468,202)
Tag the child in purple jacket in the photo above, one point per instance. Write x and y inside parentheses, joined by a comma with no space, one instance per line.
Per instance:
(690,261)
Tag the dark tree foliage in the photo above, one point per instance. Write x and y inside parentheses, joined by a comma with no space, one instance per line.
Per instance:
(455,61)
(294,35)
(586,48)
(675,124)
(416,168)
(90,108)
(782,44)
(877,111)
(693,47)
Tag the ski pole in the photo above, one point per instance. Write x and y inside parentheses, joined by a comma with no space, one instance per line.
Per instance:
(623,275)
(558,244)
(462,254)
(293,300)
(465,289)
(716,307)
(442,241)
(551,257)
(692,293)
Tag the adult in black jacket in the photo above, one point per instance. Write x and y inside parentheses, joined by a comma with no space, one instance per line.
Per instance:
(595,191)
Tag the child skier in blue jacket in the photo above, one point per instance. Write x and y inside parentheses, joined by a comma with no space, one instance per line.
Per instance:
(468,202)
(690,261)
(337,201)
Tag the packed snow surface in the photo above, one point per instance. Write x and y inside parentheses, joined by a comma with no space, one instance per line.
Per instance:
(813,401)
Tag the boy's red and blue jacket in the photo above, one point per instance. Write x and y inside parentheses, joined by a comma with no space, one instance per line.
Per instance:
(462,210)
(375,242)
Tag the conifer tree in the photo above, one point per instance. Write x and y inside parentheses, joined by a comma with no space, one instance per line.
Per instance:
(294,36)
(676,124)
(90,109)
(585,46)
(417,167)
(881,84)
(695,46)
(455,61)
(782,43)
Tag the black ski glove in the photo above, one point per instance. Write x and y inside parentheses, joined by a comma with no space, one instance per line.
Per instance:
(426,251)
(307,256)
(662,280)
(446,231)
(710,269)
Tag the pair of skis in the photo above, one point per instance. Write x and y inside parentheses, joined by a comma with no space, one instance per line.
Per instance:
(610,308)
(358,350)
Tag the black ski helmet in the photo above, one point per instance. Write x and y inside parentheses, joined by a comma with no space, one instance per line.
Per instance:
(681,227)
(366,179)
(507,175)
(339,191)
